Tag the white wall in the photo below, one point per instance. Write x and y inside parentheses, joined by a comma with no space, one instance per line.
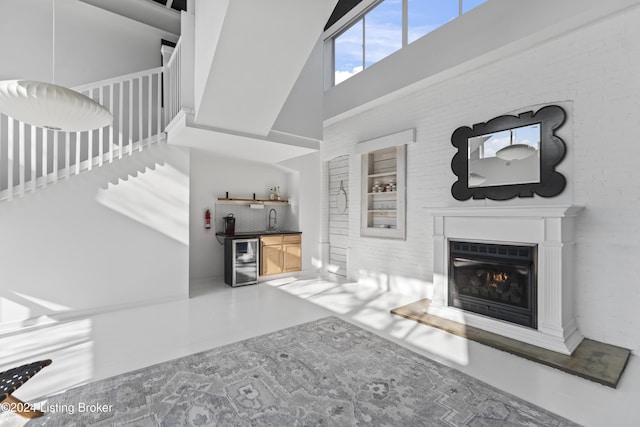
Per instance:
(113,236)
(302,113)
(91,44)
(209,16)
(591,72)
(307,206)
(211,177)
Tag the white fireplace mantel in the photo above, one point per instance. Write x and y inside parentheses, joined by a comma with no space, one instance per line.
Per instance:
(551,228)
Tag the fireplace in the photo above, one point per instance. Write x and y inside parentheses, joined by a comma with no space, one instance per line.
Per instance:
(495,280)
(539,311)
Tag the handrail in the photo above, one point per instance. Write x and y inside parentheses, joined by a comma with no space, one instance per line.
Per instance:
(113,80)
(177,47)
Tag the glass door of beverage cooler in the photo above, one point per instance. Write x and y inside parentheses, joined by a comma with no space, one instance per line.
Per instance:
(241,261)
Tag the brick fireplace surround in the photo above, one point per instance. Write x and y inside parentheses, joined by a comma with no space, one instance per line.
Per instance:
(551,228)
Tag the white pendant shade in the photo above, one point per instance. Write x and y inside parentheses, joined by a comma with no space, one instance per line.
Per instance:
(515,152)
(51,106)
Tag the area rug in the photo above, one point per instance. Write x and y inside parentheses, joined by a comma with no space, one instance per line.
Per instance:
(327,372)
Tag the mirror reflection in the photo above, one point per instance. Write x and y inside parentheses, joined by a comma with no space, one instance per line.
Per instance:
(506,157)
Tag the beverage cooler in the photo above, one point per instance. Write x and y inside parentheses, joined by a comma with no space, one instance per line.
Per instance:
(241,261)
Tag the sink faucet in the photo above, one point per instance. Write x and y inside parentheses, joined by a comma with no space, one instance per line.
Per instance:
(275,219)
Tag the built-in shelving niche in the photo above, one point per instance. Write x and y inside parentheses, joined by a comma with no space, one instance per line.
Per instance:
(384,185)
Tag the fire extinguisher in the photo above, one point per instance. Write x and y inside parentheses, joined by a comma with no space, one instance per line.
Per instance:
(207,220)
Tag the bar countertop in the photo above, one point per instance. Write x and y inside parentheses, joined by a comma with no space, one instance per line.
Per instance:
(251,234)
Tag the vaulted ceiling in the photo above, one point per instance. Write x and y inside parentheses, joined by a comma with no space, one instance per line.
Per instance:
(340,10)
(161,14)
(178,5)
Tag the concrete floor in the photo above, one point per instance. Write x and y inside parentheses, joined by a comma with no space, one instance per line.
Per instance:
(93,347)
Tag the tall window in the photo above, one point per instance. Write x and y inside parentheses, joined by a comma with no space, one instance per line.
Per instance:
(426,15)
(382,31)
(348,52)
(387,27)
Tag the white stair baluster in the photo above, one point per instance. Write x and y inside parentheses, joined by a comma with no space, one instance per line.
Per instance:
(55,156)
(150,107)
(78,161)
(67,154)
(112,124)
(120,131)
(159,105)
(34,164)
(10,158)
(131,117)
(45,160)
(101,130)
(140,127)
(21,158)
(89,151)
(176,87)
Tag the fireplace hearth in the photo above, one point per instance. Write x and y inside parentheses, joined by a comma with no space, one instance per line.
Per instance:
(495,280)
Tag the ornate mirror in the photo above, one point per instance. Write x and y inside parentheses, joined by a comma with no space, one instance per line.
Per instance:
(510,156)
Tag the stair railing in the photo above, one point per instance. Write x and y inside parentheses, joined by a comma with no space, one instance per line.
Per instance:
(33,157)
(173,82)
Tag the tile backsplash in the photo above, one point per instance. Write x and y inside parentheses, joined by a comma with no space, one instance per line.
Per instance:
(248,219)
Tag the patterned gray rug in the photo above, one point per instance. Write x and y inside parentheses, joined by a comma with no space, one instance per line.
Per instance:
(326,372)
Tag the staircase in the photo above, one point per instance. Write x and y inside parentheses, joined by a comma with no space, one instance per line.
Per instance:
(233,108)
(33,157)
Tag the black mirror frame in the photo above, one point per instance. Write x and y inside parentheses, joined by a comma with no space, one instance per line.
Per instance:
(552,151)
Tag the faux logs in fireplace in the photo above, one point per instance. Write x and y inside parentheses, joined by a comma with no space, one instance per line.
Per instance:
(495,280)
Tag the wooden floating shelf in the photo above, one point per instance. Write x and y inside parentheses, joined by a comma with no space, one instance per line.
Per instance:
(251,201)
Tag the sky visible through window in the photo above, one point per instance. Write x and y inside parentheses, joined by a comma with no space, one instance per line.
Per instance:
(427,15)
(381,29)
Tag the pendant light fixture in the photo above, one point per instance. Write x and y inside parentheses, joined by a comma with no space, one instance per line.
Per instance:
(515,151)
(51,106)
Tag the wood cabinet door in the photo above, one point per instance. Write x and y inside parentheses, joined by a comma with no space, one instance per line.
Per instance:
(271,257)
(292,257)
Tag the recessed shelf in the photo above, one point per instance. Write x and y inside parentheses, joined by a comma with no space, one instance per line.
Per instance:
(378,175)
(383,211)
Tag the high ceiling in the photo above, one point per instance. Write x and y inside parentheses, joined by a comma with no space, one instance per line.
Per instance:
(178,5)
(145,11)
(340,10)
(161,14)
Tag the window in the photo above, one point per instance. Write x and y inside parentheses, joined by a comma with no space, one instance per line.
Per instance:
(467,5)
(425,16)
(382,31)
(386,28)
(348,52)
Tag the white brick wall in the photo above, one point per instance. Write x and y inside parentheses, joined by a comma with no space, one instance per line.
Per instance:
(594,73)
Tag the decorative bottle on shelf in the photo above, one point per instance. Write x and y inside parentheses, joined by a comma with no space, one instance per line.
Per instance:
(278,193)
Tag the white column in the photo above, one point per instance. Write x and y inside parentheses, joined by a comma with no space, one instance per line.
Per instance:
(440,255)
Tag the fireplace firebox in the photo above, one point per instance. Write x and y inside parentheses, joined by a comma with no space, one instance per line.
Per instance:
(495,280)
